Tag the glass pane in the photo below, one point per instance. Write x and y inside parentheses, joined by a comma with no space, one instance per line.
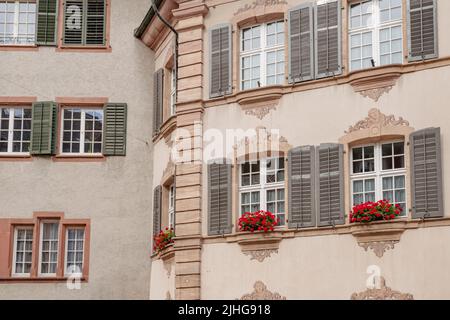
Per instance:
(357,153)
(370,197)
(255,197)
(270,178)
(399,148)
(358,199)
(369,165)
(280,207)
(357,167)
(358,186)
(280,175)
(400,196)
(387,183)
(369,185)
(386,149)
(388,195)
(245,167)
(400,182)
(271,207)
(255,179)
(245,198)
(399,162)
(271,195)
(387,163)
(368,152)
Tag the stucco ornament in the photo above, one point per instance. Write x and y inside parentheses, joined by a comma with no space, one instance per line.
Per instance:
(260,112)
(259,3)
(261,293)
(260,255)
(381,293)
(379,247)
(375,94)
(377,119)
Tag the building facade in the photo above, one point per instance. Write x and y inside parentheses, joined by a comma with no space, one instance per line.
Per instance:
(75,150)
(305,109)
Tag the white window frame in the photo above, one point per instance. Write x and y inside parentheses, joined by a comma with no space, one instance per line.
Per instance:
(11,130)
(16,23)
(378,174)
(41,240)
(16,230)
(263,50)
(82,130)
(375,29)
(171,205)
(66,251)
(263,186)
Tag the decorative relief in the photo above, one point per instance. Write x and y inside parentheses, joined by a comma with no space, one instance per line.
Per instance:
(260,112)
(377,119)
(381,293)
(375,94)
(379,247)
(168,266)
(261,293)
(259,3)
(261,140)
(260,255)
(374,87)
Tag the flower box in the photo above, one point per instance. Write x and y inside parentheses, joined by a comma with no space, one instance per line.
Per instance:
(382,210)
(257,221)
(162,240)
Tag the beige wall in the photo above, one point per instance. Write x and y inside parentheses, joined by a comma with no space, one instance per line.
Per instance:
(115,194)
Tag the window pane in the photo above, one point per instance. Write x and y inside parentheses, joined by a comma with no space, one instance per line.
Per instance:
(357,167)
(369,185)
(358,186)
(399,182)
(387,163)
(387,183)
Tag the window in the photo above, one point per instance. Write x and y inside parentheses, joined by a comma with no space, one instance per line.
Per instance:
(262,187)
(378,172)
(15,130)
(262,55)
(74,250)
(173,92)
(171,206)
(17,22)
(375,33)
(49,248)
(82,131)
(23,251)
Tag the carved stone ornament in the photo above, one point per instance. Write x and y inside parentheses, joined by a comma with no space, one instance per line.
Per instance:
(259,3)
(375,94)
(261,293)
(377,119)
(260,112)
(379,247)
(375,86)
(381,293)
(260,255)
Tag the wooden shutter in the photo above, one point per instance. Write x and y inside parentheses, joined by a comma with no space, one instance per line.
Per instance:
(220,60)
(301,187)
(301,43)
(426,173)
(219,198)
(73,33)
(115,129)
(46,26)
(328,39)
(330,184)
(158,100)
(157,198)
(43,128)
(422,18)
(95,22)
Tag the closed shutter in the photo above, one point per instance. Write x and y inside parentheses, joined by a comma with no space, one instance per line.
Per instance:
(328,39)
(219,198)
(43,128)
(157,197)
(422,29)
(115,129)
(158,95)
(330,184)
(301,175)
(220,60)
(46,22)
(73,22)
(95,22)
(426,173)
(301,44)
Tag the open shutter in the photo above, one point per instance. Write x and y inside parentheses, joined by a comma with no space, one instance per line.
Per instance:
(301,187)
(219,198)
(426,173)
(95,22)
(328,39)
(301,43)
(158,95)
(74,22)
(330,184)
(115,129)
(47,13)
(43,131)
(220,60)
(422,16)
(157,197)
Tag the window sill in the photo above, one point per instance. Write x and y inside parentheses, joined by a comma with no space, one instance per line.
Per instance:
(95,49)
(166,254)
(14,47)
(167,127)
(16,279)
(15,157)
(79,158)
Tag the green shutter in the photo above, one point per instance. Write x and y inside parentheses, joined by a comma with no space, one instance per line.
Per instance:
(422,29)
(158,100)
(43,136)
(47,18)
(220,59)
(115,129)
(157,197)
(219,197)
(95,22)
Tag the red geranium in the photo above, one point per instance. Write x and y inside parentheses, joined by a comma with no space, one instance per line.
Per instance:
(162,239)
(257,221)
(374,211)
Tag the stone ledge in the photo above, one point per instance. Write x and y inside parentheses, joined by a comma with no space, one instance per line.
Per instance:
(378,239)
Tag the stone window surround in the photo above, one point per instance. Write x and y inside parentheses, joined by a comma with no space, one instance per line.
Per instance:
(9,226)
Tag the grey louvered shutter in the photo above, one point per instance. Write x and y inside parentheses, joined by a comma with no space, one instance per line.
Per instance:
(95,22)
(43,128)
(158,100)
(157,198)
(74,22)
(219,198)
(46,25)
(301,197)
(115,129)
(422,18)
(426,173)
(220,60)
(301,62)
(330,184)
(327,39)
